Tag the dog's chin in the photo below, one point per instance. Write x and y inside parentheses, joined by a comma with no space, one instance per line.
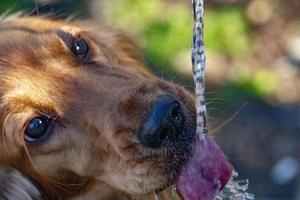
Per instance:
(174,164)
(167,178)
(159,177)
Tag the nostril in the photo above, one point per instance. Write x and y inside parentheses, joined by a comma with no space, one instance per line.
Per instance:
(176,112)
(164,134)
(162,124)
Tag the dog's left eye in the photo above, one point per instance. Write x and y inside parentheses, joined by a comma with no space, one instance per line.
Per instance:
(38,129)
(80,46)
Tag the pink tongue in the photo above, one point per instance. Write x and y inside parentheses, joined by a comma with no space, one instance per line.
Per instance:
(206,173)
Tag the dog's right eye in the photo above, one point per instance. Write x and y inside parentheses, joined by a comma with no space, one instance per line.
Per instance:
(80,46)
(38,129)
(77,44)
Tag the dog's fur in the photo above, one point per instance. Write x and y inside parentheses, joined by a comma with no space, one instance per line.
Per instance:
(98,104)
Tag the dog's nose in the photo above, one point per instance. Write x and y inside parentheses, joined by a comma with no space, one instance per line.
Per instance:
(162,124)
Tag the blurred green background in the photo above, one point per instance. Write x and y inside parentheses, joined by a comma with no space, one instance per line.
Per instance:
(253,69)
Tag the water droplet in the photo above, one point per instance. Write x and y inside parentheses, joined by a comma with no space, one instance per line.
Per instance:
(236,190)
(174,191)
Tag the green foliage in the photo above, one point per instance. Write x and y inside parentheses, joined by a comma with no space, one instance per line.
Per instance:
(165,28)
(4,5)
(16,5)
(258,85)
(262,83)
(227,31)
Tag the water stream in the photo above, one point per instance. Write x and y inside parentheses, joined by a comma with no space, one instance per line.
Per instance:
(235,189)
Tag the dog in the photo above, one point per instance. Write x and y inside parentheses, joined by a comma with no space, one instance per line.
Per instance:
(82,117)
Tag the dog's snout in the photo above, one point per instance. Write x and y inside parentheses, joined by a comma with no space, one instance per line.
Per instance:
(162,124)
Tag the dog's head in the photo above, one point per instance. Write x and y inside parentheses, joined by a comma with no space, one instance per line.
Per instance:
(79,101)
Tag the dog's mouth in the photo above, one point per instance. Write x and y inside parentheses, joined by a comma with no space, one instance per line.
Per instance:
(205,173)
(198,167)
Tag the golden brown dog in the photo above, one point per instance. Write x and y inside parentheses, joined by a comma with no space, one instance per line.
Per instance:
(80,111)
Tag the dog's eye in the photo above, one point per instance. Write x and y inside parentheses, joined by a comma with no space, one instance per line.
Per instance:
(80,46)
(38,129)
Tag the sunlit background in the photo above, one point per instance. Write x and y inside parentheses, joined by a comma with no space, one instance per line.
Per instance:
(253,72)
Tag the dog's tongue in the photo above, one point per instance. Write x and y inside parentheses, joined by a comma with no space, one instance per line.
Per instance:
(206,173)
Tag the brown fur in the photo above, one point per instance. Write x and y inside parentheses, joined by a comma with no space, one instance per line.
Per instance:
(98,105)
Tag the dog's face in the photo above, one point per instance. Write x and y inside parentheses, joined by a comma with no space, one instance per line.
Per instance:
(79,101)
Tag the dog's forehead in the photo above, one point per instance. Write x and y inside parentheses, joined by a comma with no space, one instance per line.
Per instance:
(16,40)
(22,47)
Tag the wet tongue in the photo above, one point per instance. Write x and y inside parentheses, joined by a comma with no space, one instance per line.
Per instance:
(206,173)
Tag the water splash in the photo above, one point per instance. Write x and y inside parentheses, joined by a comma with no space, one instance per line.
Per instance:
(236,189)
(174,191)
